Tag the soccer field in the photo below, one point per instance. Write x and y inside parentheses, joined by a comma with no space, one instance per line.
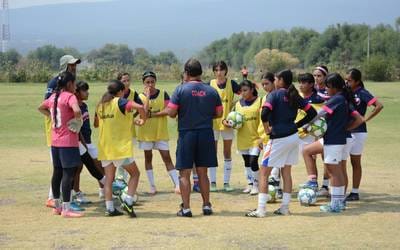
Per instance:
(25,172)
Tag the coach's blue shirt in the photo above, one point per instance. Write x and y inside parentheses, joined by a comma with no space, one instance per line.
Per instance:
(196,103)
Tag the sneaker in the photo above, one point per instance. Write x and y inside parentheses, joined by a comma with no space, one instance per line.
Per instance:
(196,187)
(248,189)
(323,192)
(343,205)
(282,211)
(128,208)
(71,214)
(256,214)
(274,182)
(153,190)
(82,199)
(116,212)
(329,209)
(50,203)
(75,207)
(311,184)
(279,193)
(353,197)
(228,188)
(254,190)
(207,210)
(180,213)
(213,187)
(57,211)
(177,190)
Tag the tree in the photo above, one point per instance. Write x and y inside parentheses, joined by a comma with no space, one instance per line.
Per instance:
(166,58)
(48,54)
(142,59)
(397,24)
(11,57)
(274,60)
(112,54)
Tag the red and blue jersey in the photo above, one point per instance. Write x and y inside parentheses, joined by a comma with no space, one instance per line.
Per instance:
(362,99)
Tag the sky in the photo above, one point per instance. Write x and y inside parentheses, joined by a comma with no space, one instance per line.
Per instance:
(14,4)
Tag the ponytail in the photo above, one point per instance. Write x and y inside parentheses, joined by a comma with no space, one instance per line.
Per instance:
(114,86)
(356,75)
(62,81)
(292,93)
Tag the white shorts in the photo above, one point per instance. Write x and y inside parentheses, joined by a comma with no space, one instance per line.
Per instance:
(82,149)
(333,154)
(226,134)
(157,145)
(357,146)
(118,163)
(347,147)
(251,151)
(282,151)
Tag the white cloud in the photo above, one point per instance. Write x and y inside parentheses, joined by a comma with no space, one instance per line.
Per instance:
(14,4)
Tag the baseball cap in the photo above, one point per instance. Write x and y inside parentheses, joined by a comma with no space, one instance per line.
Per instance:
(68,59)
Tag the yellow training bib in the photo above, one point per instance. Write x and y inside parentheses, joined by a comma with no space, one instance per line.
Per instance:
(261,131)
(247,135)
(226,96)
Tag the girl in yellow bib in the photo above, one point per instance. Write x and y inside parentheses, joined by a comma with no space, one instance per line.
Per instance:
(226,89)
(248,137)
(154,135)
(114,118)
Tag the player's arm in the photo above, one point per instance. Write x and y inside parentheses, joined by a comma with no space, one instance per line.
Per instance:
(173,105)
(96,121)
(43,108)
(163,112)
(378,106)
(310,114)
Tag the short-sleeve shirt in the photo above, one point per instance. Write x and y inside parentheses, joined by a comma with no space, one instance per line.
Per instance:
(51,86)
(323,93)
(136,97)
(337,119)
(362,98)
(197,104)
(86,131)
(283,115)
(61,136)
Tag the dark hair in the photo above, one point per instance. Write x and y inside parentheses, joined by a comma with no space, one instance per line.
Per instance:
(249,84)
(323,69)
(335,80)
(82,85)
(292,93)
(62,80)
(148,74)
(121,74)
(114,86)
(268,76)
(193,67)
(222,65)
(356,75)
(306,77)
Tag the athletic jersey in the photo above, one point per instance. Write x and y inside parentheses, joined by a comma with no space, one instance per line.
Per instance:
(197,104)
(86,131)
(337,119)
(261,130)
(156,128)
(132,95)
(323,93)
(226,93)
(362,98)
(51,86)
(282,119)
(247,135)
(115,130)
(61,136)
(316,102)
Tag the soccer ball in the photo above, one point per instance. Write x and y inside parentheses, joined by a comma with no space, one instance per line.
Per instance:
(235,119)
(307,197)
(318,128)
(272,194)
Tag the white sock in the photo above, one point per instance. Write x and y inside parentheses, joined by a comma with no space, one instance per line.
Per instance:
(337,196)
(354,190)
(227,170)
(101,191)
(128,199)
(213,174)
(103,180)
(110,206)
(195,178)
(150,176)
(51,193)
(255,177)
(65,206)
(275,173)
(249,175)
(286,199)
(325,182)
(262,201)
(174,177)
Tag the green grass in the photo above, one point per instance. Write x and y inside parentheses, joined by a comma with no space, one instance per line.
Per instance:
(25,172)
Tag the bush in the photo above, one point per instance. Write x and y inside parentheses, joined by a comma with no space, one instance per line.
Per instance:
(379,68)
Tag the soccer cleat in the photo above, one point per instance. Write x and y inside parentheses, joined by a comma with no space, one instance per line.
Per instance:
(343,205)
(256,214)
(254,190)
(213,187)
(323,192)
(116,212)
(196,187)
(50,203)
(207,210)
(228,188)
(180,213)
(75,207)
(248,189)
(311,184)
(81,198)
(153,190)
(329,209)
(177,190)
(128,208)
(353,197)
(57,211)
(282,211)
(71,214)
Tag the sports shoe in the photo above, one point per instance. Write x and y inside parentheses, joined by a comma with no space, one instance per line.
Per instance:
(213,187)
(57,211)
(256,214)
(228,188)
(248,189)
(353,197)
(153,190)
(329,209)
(180,213)
(71,214)
(50,203)
(128,208)
(311,184)
(323,192)
(282,211)
(177,190)
(274,182)
(116,212)
(82,199)
(196,187)
(207,210)
(279,193)
(75,207)
(343,205)
(254,190)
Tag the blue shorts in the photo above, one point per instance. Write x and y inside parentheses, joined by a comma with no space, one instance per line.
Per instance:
(66,157)
(196,147)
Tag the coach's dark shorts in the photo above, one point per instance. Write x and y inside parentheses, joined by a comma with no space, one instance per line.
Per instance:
(196,146)
(66,157)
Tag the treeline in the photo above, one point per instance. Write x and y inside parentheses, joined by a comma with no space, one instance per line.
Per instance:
(340,46)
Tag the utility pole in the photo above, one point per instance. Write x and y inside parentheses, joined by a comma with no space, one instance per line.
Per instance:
(368,44)
(4,25)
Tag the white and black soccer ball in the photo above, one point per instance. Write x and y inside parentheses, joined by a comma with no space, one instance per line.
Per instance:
(307,197)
